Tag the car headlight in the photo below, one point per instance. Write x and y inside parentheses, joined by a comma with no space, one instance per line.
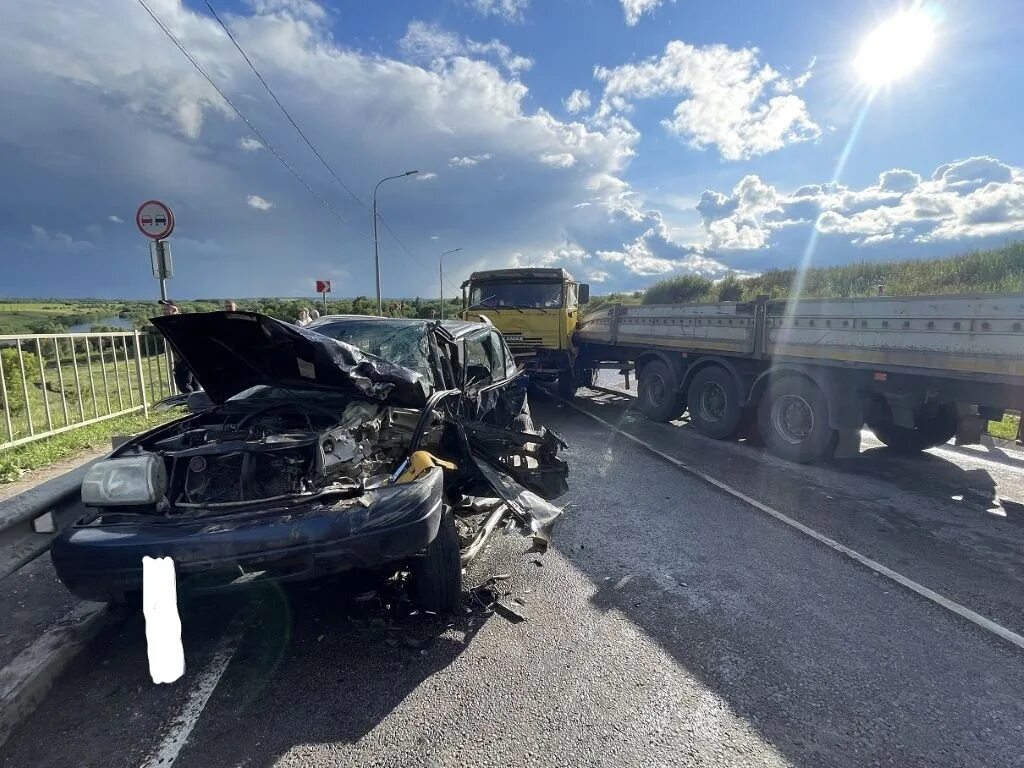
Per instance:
(132,480)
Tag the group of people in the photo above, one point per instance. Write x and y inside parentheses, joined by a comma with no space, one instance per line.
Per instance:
(307,316)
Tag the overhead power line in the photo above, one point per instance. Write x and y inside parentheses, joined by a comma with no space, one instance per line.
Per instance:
(302,133)
(281,106)
(256,132)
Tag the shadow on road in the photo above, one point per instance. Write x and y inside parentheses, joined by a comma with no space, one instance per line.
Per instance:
(319,667)
(827,663)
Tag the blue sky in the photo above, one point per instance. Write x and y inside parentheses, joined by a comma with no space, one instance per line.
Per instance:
(626,140)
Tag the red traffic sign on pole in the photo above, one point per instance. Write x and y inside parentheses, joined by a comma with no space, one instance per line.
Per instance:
(154,219)
(323,286)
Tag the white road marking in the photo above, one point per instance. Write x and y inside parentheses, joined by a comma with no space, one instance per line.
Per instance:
(185,720)
(913,586)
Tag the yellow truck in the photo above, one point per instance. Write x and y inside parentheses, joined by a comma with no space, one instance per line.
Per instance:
(537,310)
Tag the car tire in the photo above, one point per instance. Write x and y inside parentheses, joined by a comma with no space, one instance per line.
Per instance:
(793,419)
(436,577)
(714,401)
(658,393)
(928,432)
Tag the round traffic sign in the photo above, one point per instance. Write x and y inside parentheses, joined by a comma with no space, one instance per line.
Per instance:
(154,219)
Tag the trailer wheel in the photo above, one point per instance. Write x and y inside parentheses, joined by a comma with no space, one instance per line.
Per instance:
(928,432)
(793,419)
(658,393)
(714,402)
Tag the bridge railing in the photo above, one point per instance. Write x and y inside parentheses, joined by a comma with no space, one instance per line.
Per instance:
(55,382)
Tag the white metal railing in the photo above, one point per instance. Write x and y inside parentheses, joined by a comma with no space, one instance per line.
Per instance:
(55,382)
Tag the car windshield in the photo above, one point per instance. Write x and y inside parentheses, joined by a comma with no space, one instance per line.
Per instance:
(402,343)
(519,294)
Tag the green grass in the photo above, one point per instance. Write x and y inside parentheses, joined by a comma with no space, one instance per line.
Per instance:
(112,387)
(1006,429)
(41,453)
(999,270)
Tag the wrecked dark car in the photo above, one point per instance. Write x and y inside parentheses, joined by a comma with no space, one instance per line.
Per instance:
(362,444)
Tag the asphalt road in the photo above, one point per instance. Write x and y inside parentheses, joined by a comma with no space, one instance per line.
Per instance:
(669,624)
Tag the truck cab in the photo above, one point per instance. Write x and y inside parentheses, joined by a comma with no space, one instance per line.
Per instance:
(537,310)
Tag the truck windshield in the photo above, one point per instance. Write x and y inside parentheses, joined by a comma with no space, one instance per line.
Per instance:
(522,295)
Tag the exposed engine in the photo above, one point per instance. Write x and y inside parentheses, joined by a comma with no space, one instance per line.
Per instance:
(284,450)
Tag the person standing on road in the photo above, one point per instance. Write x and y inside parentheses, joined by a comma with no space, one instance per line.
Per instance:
(230,306)
(304,319)
(183,378)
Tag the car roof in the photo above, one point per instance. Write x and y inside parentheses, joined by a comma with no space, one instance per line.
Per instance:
(457,328)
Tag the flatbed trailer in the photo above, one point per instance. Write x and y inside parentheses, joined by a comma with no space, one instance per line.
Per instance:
(808,374)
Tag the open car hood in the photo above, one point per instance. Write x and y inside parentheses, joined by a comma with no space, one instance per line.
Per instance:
(230,352)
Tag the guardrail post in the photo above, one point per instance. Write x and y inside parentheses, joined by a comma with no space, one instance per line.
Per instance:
(138,372)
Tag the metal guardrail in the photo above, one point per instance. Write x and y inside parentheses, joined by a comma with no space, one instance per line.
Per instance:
(55,382)
(30,520)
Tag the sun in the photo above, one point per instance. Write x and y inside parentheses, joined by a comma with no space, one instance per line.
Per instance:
(895,48)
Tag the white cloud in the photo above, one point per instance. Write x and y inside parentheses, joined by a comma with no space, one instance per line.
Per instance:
(509,10)
(431,42)
(259,203)
(298,9)
(414,116)
(730,102)
(51,240)
(578,101)
(249,144)
(558,159)
(963,201)
(426,176)
(634,9)
(468,161)
(115,219)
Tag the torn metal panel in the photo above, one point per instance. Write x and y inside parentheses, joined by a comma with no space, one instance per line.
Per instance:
(529,457)
(530,508)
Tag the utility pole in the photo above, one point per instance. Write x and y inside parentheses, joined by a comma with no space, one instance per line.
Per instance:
(376,252)
(440,274)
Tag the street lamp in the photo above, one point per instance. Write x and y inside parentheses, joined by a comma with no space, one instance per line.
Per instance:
(440,274)
(376,254)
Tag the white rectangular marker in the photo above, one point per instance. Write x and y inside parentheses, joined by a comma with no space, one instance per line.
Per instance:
(163,624)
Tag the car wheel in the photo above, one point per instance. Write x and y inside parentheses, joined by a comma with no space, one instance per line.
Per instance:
(714,402)
(928,432)
(659,398)
(793,418)
(436,577)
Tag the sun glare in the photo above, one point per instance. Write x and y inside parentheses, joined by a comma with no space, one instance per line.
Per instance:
(895,48)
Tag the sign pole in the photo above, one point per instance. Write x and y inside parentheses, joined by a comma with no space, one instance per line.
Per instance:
(324,294)
(156,221)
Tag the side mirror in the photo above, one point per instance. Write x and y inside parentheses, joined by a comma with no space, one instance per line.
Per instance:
(584,293)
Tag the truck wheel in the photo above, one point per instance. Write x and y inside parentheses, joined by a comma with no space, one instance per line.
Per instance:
(793,419)
(928,432)
(567,384)
(585,377)
(658,393)
(436,577)
(714,402)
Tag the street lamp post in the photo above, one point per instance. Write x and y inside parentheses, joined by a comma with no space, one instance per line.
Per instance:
(376,253)
(440,274)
